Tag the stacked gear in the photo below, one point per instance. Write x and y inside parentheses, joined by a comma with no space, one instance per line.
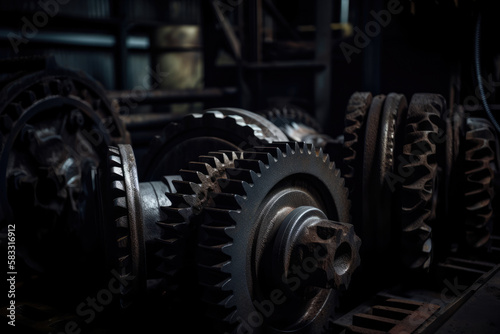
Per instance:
(300,126)
(406,165)
(256,216)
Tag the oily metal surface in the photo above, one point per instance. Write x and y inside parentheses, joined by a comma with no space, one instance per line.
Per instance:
(239,229)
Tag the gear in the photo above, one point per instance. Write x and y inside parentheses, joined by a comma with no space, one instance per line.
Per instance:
(286,115)
(192,194)
(278,206)
(195,135)
(367,208)
(128,222)
(299,126)
(392,123)
(355,117)
(55,127)
(271,131)
(478,180)
(419,169)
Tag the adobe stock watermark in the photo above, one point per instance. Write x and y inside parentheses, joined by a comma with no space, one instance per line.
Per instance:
(88,309)
(373,28)
(266,308)
(31,26)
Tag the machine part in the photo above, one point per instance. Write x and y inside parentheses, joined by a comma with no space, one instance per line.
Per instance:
(128,222)
(419,169)
(134,234)
(55,127)
(290,117)
(270,205)
(355,117)
(271,131)
(368,181)
(392,123)
(479,155)
(179,224)
(299,126)
(195,135)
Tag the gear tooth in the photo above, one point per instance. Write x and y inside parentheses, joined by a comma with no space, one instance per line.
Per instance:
(114,150)
(233,186)
(122,222)
(254,155)
(185,187)
(116,173)
(177,200)
(201,167)
(114,160)
(177,215)
(211,160)
(123,242)
(217,235)
(275,152)
(227,201)
(240,174)
(173,227)
(254,165)
(118,188)
(192,176)
(124,261)
(478,178)
(219,217)
(120,206)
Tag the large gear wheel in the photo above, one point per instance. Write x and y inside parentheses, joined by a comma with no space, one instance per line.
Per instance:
(392,123)
(55,127)
(420,172)
(195,135)
(269,216)
(479,155)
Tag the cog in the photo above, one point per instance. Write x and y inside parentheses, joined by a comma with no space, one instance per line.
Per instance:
(129,250)
(354,125)
(288,114)
(257,198)
(192,194)
(195,135)
(420,170)
(478,181)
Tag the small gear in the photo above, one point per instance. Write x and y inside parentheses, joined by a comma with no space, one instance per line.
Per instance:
(280,206)
(195,135)
(479,155)
(193,193)
(420,171)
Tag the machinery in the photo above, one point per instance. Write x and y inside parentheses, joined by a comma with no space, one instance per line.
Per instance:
(266,220)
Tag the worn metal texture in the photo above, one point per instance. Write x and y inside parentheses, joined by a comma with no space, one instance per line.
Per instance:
(238,233)
(195,135)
